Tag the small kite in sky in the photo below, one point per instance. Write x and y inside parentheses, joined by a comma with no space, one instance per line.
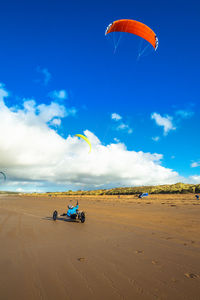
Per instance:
(86,139)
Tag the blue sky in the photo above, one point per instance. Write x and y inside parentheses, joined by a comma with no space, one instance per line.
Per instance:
(53,46)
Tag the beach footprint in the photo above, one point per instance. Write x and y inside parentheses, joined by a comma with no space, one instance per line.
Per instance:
(191,275)
(174,280)
(81,259)
(139,251)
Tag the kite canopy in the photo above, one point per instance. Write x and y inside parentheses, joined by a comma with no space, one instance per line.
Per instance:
(85,139)
(134,27)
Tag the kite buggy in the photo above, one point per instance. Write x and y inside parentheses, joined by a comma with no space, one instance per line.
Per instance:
(73,213)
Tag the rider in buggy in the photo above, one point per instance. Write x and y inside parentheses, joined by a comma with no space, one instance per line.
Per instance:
(72,213)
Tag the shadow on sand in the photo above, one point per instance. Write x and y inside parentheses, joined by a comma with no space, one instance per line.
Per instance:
(61,219)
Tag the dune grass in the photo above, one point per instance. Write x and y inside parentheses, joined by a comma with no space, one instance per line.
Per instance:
(178,188)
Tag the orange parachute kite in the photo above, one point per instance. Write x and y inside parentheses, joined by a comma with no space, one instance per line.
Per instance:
(136,28)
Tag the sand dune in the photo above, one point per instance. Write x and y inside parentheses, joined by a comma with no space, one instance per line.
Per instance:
(128,248)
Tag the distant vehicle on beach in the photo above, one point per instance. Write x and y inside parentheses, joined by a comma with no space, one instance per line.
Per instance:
(143,195)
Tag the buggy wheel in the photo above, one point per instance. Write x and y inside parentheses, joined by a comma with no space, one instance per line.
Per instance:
(55,215)
(82,217)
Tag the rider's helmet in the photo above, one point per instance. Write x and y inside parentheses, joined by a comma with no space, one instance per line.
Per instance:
(70,206)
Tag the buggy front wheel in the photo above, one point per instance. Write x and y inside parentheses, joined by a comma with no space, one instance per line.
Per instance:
(55,215)
(82,217)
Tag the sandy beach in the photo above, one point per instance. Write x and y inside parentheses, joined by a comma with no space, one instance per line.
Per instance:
(128,248)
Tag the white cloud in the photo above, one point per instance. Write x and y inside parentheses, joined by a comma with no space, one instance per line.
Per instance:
(122,125)
(19,190)
(58,95)
(48,112)
(195,164)
(29,105)
(185,114)
(116,140)
(56,122)
(35,155)
(71,111)
(115,117)
(156,138)
(125,127)
(3,92)
(166,122)
(46,75)
(195,179)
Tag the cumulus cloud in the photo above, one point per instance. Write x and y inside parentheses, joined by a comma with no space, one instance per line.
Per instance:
(165,122)
(46,75)
(155,138)
(48,112)
(3,92)
(116,140)
(121,125)
(115,117)
(184,114)
(195,164)
(19,190)
(125,127)
(58,95)
(36,158)
(194,179)
(56,122)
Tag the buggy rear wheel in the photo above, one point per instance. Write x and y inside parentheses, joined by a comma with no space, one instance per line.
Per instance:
(55,215)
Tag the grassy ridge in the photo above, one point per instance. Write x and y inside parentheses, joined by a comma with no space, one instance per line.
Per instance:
(178,188)
(7,192)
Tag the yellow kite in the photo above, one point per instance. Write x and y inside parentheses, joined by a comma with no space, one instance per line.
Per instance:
(86,139)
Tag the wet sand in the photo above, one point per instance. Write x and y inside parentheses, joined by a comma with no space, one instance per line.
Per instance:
(128,248)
